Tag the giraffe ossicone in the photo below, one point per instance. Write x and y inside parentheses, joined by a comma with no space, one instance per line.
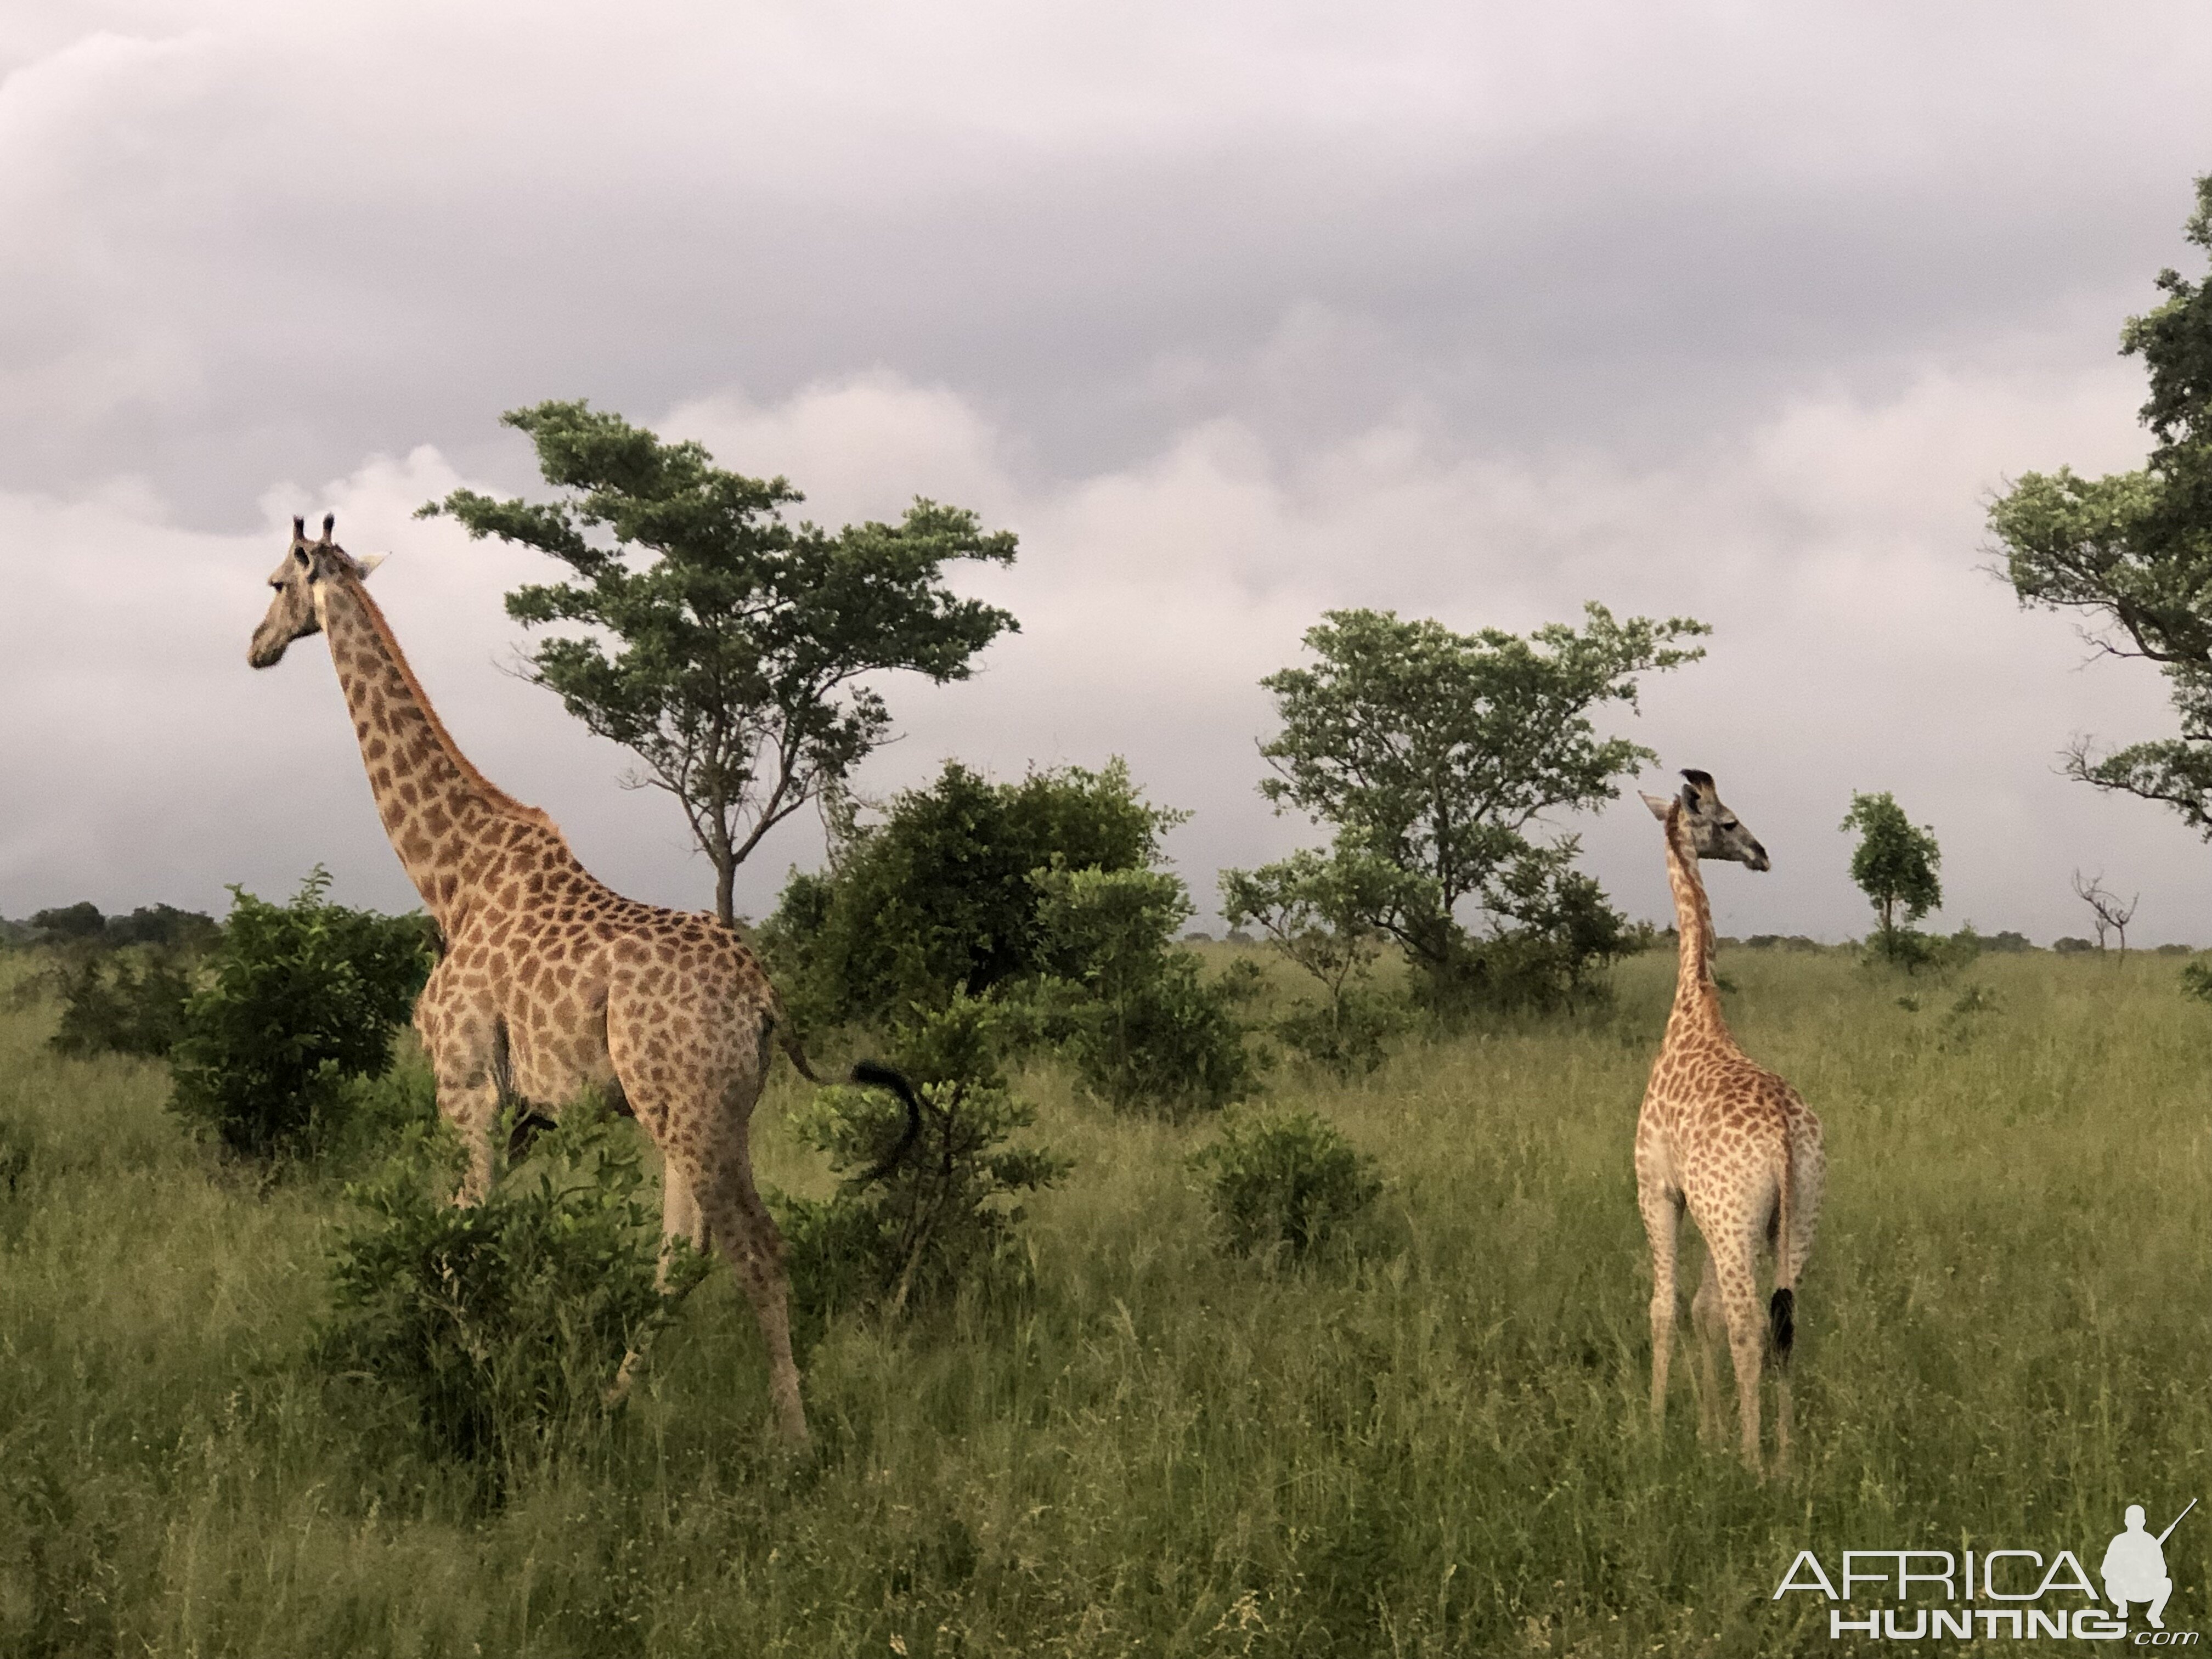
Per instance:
(551,985)
(1725,1139)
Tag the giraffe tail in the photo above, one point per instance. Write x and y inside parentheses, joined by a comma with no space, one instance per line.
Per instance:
(869,1074)
(788,1040)
(1782,1307)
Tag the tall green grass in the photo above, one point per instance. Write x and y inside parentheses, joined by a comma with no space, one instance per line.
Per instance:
(2004,1338)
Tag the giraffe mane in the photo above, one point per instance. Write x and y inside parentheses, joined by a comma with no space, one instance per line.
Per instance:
(499,799)
(1683,852)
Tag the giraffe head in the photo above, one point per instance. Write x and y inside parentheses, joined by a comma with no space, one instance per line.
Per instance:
(295,612)
(1714,831)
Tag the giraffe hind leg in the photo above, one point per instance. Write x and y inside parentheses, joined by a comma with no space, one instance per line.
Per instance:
(746,1234)
(1712,1331)
(1746,1334)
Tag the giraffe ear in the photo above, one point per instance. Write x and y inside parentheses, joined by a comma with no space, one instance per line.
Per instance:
(370,563)
(1658,804)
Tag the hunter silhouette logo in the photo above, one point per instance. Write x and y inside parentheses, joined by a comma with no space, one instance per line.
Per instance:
(2135,1566)
(1996,1594)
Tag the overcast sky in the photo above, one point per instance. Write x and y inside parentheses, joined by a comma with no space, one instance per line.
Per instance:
(1233,312)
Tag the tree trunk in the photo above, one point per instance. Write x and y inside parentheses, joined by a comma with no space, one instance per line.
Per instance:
(725,872)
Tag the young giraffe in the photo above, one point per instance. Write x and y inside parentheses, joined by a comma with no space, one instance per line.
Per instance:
(551,984)
(1726,1137)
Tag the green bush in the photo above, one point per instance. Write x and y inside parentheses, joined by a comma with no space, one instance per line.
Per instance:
(305,1000)
(947,1213)
(1345,1035)
(490,1335)
(1135,1013)
(937,898)
(124,1003)
(1288,1181)
(1910,948)
(2196,979)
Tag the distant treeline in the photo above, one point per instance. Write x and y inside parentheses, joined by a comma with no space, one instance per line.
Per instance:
(83,924)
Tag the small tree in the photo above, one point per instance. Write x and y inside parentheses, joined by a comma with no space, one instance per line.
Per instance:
(1434,755)
(741,643)
(305,999)
(1894,865)
(2112,916)
(1318,909)
(913,1233)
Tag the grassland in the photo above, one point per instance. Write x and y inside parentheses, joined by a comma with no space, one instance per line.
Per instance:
(2004,1338)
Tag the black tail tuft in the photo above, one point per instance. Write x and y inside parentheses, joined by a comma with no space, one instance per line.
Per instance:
(868,1072)
(1782,1323)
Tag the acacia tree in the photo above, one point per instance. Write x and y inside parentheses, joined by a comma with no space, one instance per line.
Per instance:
(1433,756)
(731,648)
(1894,865)
(2134,550)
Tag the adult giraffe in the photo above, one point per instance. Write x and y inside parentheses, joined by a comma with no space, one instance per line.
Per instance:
(551,983)
(1727,1138)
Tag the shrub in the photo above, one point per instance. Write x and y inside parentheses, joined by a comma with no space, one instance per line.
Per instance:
(1912,951)
(1344,1034)
(1316,908)
(490,1335)
(1142,1024)
(116,1004)
(306,998)
(1289,1181)
(2068,947)
(945,1214)
(937,899)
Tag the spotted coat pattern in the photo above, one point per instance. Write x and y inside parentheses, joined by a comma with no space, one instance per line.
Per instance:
(1731,1142)
(552,985)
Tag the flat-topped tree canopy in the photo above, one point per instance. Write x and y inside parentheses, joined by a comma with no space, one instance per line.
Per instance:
(732,649)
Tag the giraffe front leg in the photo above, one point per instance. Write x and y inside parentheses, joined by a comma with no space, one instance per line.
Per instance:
(462,1042)
(679,1215)
(1662,1219)
(679,1219)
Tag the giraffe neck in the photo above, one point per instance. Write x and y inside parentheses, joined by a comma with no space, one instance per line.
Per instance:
(1697,996)
(442,814)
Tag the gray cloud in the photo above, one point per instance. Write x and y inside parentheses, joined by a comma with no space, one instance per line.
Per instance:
(1233,314)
